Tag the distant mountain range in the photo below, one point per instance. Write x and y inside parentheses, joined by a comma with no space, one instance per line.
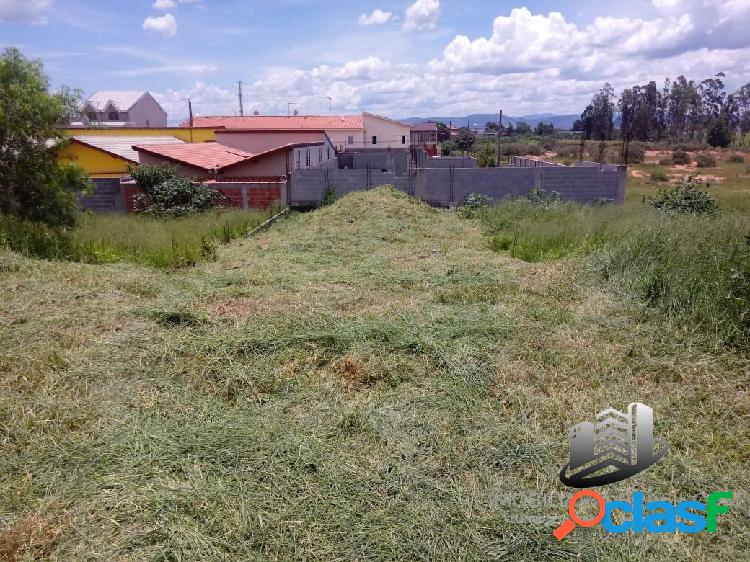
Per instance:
(480,119)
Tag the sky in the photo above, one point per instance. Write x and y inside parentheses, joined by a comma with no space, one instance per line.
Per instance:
(399,58)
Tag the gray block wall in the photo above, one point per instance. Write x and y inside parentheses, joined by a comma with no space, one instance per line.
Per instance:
(450,186)
(107,197)
(450,162)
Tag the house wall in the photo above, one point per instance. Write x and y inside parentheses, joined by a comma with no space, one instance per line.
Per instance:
(340,138)
(95,163)
(260,141)
(147,113)
(389,133)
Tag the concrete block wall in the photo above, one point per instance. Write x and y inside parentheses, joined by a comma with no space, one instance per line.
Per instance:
(107,197)
(450,162)
(450,186)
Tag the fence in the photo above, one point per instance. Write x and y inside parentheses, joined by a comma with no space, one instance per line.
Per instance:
(112,196)
(446,187)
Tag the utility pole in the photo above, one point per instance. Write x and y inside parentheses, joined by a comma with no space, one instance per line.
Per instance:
(499,128)
(330,104)
(289,108)
(239,93)
(190,114)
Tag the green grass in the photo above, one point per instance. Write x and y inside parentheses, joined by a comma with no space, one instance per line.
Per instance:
(139,239)
(369,381)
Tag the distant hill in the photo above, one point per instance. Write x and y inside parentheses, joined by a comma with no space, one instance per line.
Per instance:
(564,122)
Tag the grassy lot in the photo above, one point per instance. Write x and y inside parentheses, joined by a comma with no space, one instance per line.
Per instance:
(370,381)
(145,240)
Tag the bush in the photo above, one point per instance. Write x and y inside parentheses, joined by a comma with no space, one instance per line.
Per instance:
(685,198)
(736,158)
(636,153)
(681,157)
(705,160)
(569,151)
(163,194)
(659,177)
(543,198)
(473,203)
(666,162)
(486,157)
(329,197)
(720,134)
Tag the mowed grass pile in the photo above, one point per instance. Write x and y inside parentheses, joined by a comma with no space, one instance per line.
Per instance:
(369,381)
(158,242)
(693,269)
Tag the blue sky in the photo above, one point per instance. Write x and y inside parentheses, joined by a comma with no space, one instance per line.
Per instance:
(400,58)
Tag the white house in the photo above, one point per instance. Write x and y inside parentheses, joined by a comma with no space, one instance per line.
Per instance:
(345,131)
(124,109)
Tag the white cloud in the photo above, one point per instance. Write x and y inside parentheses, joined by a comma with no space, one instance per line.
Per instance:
(31,11)
(376,17)
(165,25)
(423,14)
(164,4)
(527,63)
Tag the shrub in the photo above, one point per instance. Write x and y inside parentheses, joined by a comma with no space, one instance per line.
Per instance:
(685,198)
(164,194)
(681,157)
(636,153)
(329,197)
(543,198)
(569,151)
(475,202)
(487,155)
(736,158)
(665,162)
(720,134)
(659,177)
(705,160)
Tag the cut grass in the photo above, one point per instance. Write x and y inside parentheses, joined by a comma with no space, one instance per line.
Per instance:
(367,381)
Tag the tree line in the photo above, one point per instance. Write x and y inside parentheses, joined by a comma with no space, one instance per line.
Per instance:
(681,111)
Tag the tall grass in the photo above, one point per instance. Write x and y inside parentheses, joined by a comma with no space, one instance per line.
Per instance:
(146,240)
(695,270)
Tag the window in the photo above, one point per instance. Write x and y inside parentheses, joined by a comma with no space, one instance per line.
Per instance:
(350,140)
(403,139)
(307,158)
(113,116)
(298,157)
(320,155)
(374,139)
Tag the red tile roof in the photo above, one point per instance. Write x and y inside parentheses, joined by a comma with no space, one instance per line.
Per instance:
(211,155)
(315,122)
(206,156)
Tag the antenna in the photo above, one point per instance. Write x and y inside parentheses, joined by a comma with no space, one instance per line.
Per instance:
(239,93)
(289,108)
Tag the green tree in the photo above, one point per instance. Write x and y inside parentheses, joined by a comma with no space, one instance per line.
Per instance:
(465,139)
(719,133)
(33,184)
(523,128)
(443,132)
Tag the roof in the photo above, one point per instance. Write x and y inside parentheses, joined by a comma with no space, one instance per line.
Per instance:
(425,127)
(211,156)
(205,156)
(387,119)
(122,145)
(294,122)
(122,100)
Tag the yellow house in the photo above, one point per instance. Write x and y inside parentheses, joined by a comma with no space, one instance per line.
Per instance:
(107,153)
